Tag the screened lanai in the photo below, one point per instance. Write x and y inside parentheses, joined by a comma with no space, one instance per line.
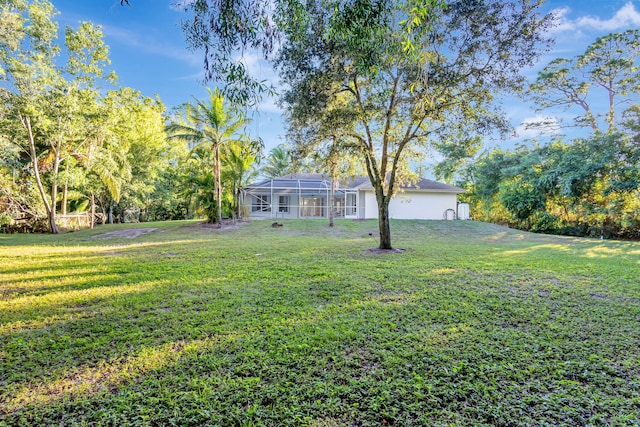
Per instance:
(299,196)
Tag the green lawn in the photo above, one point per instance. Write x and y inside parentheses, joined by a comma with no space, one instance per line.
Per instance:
(472,324)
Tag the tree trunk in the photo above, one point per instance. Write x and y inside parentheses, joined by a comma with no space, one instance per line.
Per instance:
(238,195)
(92,220)
(383,221)
(51,213)
(65,189)
(63,204)
(218,185)
(52,222)
(332,195)
(384,225)
(54,187)
(612,106)
(331,204)
(54,178)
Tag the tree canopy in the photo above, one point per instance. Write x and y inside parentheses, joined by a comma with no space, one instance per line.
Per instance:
(389,78)
(73,136)
(48,106)
(73,143)
(606,71)
(392,105)
(584,186)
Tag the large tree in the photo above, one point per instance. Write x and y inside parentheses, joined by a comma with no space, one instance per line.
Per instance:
(413,71)
(322,145)
(349,64)
(121,152)
(46,103)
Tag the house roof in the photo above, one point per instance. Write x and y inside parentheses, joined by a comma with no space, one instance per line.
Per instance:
(317,181)
(423,184)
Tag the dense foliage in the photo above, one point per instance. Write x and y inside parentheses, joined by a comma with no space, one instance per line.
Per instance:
(76,149)
(74,141)
(587,186)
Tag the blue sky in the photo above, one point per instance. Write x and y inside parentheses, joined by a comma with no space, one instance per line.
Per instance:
(149,53)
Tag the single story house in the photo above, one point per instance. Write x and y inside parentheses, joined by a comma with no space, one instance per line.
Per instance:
(307,196)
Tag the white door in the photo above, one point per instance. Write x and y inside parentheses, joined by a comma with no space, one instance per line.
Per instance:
(351,205)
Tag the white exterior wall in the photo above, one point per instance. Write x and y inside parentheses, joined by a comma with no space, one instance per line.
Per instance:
(368,205)
(411,205)
(422,205)
(361,204)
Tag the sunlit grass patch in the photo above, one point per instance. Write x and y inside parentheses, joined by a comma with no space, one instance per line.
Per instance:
(70,298)
(473,324)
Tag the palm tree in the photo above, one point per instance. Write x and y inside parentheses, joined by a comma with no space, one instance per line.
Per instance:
(278,162)
(209,124)
(239,159)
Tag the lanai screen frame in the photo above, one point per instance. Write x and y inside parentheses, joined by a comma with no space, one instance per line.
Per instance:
(300,187)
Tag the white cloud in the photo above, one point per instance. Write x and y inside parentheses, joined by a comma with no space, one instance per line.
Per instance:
(198,76)
(537,126)
(258,68)
(261,70)
(561,22)
(626,17)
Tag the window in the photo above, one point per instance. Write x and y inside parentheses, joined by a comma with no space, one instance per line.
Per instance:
(283,204)
(261,204)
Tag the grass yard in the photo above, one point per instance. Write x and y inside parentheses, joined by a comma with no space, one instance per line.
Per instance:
(471,325)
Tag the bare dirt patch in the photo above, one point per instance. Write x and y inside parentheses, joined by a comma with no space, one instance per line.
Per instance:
(226,224)
(389,251)
(131,233)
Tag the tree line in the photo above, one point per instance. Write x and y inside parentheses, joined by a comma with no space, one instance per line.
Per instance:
(73,141)
(586,186)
